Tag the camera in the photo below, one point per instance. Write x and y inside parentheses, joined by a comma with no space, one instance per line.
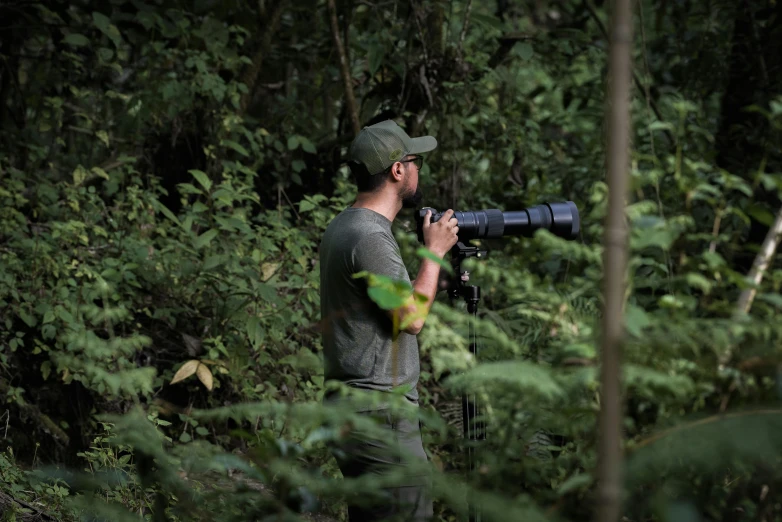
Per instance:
(561,219)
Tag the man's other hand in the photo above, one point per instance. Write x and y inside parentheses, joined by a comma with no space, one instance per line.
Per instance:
(440,236)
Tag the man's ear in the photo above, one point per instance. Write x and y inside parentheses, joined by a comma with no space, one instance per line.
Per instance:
(397,171)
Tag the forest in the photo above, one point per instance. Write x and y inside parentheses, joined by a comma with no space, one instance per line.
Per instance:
(167,171)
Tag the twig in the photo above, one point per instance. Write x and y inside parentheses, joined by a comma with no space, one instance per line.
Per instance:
(27,505)
(464,28)
(293,207)
(252,74)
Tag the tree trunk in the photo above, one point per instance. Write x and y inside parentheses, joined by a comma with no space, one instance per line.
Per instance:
(614,266)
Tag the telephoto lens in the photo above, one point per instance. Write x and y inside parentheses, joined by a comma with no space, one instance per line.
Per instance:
(561,219)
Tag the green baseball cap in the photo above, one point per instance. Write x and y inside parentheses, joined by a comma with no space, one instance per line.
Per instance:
(378,146)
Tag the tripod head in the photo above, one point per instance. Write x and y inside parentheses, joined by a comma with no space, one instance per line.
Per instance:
(457,286)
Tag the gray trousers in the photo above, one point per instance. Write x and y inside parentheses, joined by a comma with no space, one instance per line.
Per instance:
(361,455)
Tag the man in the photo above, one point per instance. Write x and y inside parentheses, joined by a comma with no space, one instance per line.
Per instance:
(358,335)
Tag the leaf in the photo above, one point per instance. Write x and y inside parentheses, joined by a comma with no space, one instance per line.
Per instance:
(202,178)
(386,298)
(187,369)
(170,215)
(376,54)
(636,320)
(307,145)
(305,205)
(105,26)
(293,142)
(428,254)
(76,40)
(235,146)
(213,261)
(298,165)
(523,375)
(46,369)
(104,137)
(28,319)
(205,376)
(255,332)
(761,214)
(79,175)
(577,481)
(524,51)
(205,238)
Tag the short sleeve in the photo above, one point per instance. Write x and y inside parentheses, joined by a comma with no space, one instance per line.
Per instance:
(379,254)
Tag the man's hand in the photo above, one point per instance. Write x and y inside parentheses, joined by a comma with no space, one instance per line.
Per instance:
(439,237)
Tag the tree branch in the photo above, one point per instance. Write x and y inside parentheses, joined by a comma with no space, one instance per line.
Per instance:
(350,99)
(251,75)
(759,267)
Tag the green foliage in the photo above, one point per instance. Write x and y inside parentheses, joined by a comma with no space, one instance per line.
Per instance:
(166,172)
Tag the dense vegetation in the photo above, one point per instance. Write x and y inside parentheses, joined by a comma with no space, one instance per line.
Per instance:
(167,169)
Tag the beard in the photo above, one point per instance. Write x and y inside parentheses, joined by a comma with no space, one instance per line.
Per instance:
(412,199)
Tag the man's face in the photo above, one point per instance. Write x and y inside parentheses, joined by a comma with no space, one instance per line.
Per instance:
(409,192)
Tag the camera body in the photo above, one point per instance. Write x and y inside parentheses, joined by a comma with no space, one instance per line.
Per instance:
(561,219)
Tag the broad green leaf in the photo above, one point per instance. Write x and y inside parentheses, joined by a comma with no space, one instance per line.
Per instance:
(376,54)
(202,178)
(170,215)
(255,332)
(524,51)
(103,23)
(298,165)
(235,146)
(307,145)
(28,319)
(213,261)
(76,39)
(205,238)
(293,142)
(636,319)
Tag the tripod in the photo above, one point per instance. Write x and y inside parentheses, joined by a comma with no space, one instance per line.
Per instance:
(474,430)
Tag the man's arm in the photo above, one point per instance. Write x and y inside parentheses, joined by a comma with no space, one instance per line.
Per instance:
(439,238)
(426,285)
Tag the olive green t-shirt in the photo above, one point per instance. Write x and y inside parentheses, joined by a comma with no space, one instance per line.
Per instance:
(356,332)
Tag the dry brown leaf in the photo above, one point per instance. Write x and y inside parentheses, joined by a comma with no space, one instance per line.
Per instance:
(205,376)
(187,369)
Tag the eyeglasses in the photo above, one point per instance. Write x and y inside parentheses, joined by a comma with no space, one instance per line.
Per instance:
(418,161)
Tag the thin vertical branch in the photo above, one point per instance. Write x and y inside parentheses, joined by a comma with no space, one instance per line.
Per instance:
(615,242)
(759,267)
(344,68)
(251,75)
(464,28)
